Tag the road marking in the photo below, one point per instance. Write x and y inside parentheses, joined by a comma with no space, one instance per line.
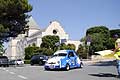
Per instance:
(20,76)
(11,72)
(6,70)
(23,77)
(19,67)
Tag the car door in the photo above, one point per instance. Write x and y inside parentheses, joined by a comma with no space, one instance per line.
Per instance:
(72,59)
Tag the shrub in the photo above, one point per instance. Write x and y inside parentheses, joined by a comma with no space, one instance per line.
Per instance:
(27,61)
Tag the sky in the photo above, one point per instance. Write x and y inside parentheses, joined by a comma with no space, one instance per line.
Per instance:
(76,16)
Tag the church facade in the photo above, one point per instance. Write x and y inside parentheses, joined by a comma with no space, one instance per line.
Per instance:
(17,45)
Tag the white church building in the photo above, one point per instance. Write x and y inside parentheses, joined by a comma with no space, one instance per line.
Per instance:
(16,46)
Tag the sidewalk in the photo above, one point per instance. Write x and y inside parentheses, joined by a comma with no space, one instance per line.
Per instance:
(88,61)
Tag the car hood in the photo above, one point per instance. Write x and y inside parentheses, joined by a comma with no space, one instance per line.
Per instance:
(55,59)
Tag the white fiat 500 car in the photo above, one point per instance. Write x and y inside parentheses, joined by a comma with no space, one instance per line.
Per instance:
(19,62)
(63,59)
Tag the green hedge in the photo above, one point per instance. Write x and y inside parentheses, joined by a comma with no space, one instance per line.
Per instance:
(27,61)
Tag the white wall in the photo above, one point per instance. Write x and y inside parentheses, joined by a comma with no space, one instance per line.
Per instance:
(56,26)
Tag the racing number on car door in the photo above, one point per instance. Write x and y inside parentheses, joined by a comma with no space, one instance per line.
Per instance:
(72,58)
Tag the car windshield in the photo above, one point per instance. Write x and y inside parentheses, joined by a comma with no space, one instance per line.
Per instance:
(37,56)
(59,54)
(19,60)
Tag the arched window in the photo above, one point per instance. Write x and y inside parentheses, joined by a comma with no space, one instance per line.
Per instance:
(54,31)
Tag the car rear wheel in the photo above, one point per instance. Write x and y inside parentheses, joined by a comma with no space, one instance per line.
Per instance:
(4,65)
(67,67)
(31,63)
(46,69)
(81,65)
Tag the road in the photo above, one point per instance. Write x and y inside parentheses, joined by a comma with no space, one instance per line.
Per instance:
(98,71)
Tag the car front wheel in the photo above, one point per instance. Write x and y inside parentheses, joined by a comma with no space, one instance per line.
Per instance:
(67,67)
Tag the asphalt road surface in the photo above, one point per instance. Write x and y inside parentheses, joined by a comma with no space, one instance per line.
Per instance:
(98,71)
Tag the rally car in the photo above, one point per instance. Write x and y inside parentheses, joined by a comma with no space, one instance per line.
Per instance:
(63,59)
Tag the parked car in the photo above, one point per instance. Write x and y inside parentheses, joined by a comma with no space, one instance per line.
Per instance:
(63,59)
(4,61)
(19,62)
(38,59)
(16,62)
(12,62)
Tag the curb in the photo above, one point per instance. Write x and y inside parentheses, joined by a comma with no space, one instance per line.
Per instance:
(95,61)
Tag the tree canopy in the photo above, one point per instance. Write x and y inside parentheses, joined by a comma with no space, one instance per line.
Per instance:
(82,51)
(71,46)
(99,37)
(49,42)
(115,33)
(30,51)
(13,18)
(63,46)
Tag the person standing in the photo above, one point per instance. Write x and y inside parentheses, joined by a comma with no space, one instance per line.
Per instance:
(117,55)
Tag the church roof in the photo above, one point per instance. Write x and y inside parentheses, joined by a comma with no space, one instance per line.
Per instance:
(38,32)
(32,24)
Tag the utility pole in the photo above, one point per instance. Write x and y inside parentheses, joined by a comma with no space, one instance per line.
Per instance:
(88,45)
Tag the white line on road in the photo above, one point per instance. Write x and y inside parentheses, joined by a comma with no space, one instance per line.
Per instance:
(6,70)
(20,76)
(23,77)
(11,72)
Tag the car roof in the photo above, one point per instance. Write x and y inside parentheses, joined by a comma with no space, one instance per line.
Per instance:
(63,51)
(39,55)
(3,56)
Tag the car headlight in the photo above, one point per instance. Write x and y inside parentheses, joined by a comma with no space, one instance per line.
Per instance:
(58,62)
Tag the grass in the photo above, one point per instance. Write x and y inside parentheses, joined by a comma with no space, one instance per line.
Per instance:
(27,61)
(109,56)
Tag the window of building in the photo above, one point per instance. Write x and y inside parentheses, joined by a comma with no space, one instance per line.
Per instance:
(54,31)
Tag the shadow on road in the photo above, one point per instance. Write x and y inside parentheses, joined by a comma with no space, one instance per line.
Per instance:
(63,69)
(105,63)
(103,75)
